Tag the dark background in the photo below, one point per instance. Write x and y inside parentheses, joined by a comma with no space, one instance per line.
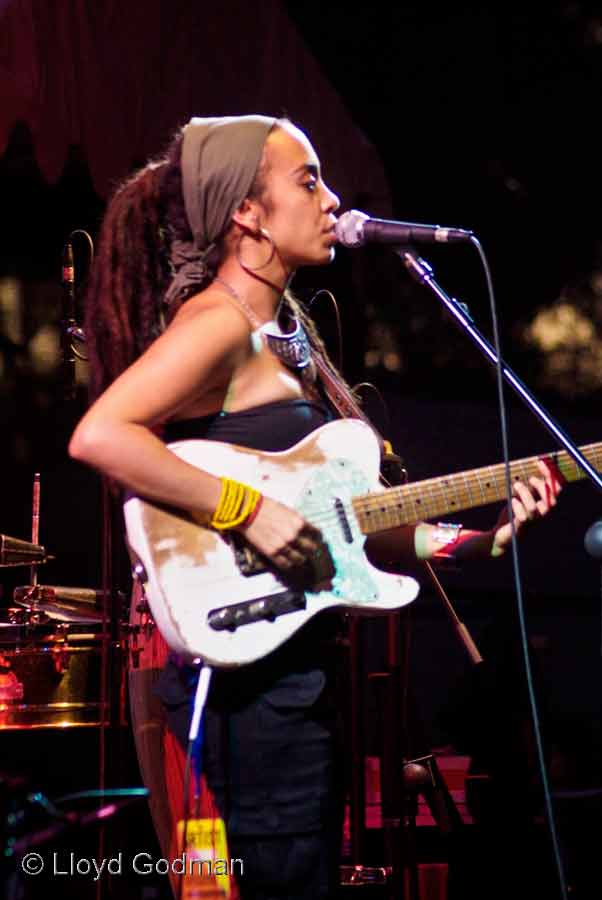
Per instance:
(484,118)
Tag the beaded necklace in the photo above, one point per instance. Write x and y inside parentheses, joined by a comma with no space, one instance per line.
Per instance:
(293,348)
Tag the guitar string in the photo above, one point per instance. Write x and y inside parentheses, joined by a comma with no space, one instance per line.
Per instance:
(431,497)
(439,491)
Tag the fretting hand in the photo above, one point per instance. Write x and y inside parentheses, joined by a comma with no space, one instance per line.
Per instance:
(529,502)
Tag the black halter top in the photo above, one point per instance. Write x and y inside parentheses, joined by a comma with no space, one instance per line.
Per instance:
(271,426)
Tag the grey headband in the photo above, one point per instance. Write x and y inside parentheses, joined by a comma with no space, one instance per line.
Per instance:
(220,158)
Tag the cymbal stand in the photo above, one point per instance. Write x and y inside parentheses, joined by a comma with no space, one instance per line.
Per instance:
(35,527)
(30,615)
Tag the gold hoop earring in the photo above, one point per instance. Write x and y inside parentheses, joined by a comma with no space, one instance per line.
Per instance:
(268,237)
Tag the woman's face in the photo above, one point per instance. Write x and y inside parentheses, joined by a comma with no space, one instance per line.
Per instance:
(297,208)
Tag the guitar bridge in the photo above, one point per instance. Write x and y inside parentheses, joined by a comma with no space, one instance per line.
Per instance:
(229,618)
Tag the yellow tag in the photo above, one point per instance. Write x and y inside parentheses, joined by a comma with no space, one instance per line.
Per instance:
(207,869)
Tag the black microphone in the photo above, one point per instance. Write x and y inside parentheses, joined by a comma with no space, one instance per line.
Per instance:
(68,320)
(68,269)
(355,228)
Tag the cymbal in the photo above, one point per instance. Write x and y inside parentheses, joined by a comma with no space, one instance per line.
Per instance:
(15,552)
(67,604)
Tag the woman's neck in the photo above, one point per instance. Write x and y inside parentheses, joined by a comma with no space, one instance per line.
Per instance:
(261,292)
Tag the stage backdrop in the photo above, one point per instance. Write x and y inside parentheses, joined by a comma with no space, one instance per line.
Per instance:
(117,78)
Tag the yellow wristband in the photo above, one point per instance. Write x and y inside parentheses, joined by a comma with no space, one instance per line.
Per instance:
(237,501)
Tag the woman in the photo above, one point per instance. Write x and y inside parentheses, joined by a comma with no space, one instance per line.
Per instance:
(223,223)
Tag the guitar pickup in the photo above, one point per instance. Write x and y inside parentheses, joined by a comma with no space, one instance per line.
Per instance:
(247,559)
(229,618)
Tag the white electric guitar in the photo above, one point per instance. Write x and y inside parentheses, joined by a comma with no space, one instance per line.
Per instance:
(213,597)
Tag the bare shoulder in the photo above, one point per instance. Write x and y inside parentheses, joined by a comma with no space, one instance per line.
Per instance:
(211,310)
(203,345)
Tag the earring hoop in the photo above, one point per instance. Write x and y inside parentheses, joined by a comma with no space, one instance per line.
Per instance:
(268,237)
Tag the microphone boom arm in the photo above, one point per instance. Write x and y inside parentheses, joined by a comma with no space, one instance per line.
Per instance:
(422,272)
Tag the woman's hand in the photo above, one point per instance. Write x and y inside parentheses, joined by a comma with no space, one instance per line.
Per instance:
(529,502)
(291,543)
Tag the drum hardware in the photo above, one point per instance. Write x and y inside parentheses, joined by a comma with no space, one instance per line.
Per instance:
(146,624)
(50,672)
(65,603)
(11,689)
(35,523)
(16,615)
(59,649)
(364,876)
(144,628)
(58,820)
(142,607)
(16,552)
(53,646)
(135,650)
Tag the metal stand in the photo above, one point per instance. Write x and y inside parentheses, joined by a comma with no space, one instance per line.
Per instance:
(403,778)
(422,272)
(408,770)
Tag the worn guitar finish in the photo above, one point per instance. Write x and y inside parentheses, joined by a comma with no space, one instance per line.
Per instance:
(195,577)
(213,599)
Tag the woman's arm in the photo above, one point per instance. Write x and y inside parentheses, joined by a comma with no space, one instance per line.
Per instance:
(115,434)
(424,541)
(198,352)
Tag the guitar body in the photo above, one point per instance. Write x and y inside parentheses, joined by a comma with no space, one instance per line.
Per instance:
(207,602)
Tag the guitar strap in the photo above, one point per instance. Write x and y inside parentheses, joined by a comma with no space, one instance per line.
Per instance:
(392,471)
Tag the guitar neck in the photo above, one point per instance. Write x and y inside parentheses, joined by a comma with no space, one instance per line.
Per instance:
(435,497)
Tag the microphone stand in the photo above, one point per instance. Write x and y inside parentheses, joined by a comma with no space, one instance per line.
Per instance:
(422,272)
(68,323)
(71,332)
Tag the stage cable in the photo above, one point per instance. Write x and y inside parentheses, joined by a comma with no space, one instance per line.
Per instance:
(335,305)
(517,577)
(72,334)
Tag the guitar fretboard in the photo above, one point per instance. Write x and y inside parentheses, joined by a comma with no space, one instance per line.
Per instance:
(435,497)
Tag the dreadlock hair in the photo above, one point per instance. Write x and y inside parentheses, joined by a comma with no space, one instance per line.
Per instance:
(131,270)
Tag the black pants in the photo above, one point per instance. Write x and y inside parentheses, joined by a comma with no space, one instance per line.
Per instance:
(272,757)
(291,867)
